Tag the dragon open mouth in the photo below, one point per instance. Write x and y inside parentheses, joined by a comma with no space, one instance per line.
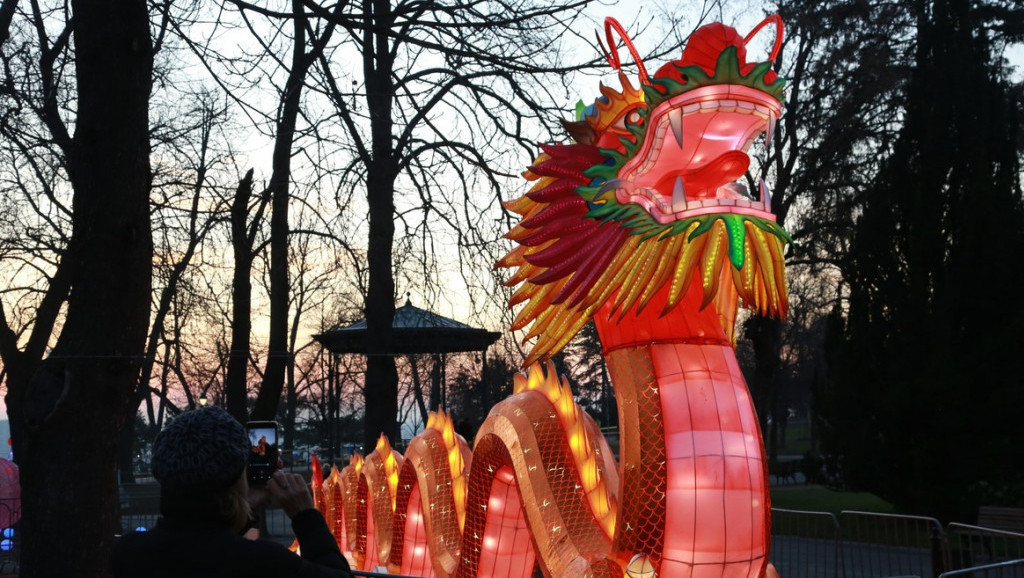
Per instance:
(694,152)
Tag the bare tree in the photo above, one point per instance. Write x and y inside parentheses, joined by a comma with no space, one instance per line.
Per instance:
(445,90)
(183,214)
(67,408)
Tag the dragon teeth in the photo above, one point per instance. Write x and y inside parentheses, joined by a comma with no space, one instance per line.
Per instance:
(766,195)
(678,195)
(675,120)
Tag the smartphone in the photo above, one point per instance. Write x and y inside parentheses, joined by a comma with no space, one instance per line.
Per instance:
(264,453)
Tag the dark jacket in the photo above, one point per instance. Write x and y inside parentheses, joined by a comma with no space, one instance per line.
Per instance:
(178,550)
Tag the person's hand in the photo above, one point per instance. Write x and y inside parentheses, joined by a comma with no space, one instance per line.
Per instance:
(290,492)
(258,495)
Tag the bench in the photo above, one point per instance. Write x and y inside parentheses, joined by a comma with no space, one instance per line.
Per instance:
(1000,518)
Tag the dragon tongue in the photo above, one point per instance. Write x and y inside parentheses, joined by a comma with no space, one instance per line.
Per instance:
(727,168)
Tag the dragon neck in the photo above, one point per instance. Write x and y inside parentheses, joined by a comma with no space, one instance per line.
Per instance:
(674,375)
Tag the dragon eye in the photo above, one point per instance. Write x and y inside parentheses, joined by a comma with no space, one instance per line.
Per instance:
(634,117)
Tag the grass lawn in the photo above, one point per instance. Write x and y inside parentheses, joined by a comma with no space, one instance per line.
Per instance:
(821,499)
(798,438)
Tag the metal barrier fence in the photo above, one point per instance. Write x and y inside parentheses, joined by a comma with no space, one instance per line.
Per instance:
(975,546)
(1009,569)
(140,508)
(805,544)
(891,545)
(869,545)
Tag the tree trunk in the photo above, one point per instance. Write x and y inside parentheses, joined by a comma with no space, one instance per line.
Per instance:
(381,389)
(236,381)
(766,335)
(435,382)
(417,389)
(68,411)
(279,357)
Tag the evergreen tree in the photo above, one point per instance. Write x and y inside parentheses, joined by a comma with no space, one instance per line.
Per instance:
(928,373)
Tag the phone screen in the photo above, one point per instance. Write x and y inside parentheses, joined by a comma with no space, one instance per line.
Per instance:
(264,452)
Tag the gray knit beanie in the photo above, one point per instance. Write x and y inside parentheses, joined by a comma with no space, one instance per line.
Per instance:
(201,450)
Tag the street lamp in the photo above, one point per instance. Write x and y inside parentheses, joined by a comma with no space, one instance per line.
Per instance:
(202,400)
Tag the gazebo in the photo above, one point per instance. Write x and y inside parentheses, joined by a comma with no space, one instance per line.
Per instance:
(416,331)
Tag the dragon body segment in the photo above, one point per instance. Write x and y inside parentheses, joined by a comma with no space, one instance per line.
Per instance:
(640,225)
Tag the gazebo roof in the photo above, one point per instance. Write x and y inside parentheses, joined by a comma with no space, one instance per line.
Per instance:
(414,330)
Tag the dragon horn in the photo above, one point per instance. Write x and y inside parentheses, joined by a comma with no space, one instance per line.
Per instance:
(779,28)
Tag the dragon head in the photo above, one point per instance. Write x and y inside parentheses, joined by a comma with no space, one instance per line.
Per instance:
(648,196)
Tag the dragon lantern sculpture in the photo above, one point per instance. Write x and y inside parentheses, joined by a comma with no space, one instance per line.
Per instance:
(641,225)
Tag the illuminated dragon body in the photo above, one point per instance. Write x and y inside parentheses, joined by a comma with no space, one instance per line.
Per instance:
(641,226)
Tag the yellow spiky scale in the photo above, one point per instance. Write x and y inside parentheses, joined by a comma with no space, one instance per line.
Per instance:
(764,255)
(665,269)
(638,276)
(683,274)
(544,323)
(540,302)
(615,275)
(726,300)
(519,206)
(749,264)
(762,292)
(779,273)
(714,251)
(567,327)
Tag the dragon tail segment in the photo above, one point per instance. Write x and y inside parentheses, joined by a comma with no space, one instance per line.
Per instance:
(540,476)
(316,485)
(376,494)
(333,507)
(347,504)
(431,502)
